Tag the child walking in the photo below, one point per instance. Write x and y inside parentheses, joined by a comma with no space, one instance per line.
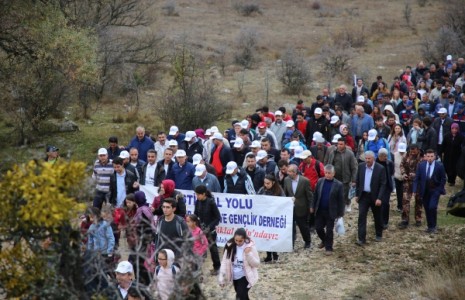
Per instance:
(240,264)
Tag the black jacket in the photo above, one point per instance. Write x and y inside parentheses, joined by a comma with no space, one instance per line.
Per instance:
(195,148)
(313,125)
(336,198)
(129,180)
(161,175)
(208,213)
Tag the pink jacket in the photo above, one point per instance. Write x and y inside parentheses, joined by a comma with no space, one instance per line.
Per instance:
(251,263)
(200,241)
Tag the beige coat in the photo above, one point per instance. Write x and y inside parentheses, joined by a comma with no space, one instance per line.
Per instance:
(251,263)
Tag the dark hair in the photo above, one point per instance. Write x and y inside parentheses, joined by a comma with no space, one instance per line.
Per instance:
(171,201)
(276,188)
(282,163)
(299,114)
(266,109)
(135,292)
(341,139)
(130,197)
(430,151)
(118,161)
(113,139)
(265,139)
(94,211)
(286,150)
(282,109)
(379,118)
(202,189)
(244,131)
(379,77)
(427,121)
(169,149)
(250,155)
(231,246)
(152,151)
(194,219)
(160,132)
(300,101)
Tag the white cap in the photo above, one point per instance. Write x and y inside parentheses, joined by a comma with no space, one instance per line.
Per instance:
(336,137)
(255,144)
(238,142)
(278,113)
(102,151)
(189,136)
(318,137)
(214,129)
(199,169)
(360,99)
(372,134)
(208,132)
(237,124)
(318,111)
(449,57)
(172,143)
(124,267)
(230,167)
(173,130)
(196,159)
(290,123)
(442,110)
(261,154)
(217,136)
(180,153)
(244,124)
(293,145)
(402,147)
(334,119)
(298,151)
(305,154)
(124,154)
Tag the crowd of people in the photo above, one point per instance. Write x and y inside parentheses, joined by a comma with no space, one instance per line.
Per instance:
(345,148)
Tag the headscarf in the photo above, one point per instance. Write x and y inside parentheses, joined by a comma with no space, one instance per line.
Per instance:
(454,125)
(169,187)
(140,199)
(200,133)
(342,127)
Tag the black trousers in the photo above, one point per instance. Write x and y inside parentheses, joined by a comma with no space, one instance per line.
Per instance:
(399,192)
(324,226)
(214,250)
(240,286)
(365,202)
(302,223)
(99,199)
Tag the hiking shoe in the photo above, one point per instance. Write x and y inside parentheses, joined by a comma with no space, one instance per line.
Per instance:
(360,243)
(321,246)
(378,239)
(348,208)
(268,259)
(328,252)
(307,245)
(276,259)
(214,272)
(403,225)
(418,223)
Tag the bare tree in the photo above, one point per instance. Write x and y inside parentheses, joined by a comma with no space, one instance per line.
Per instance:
(446,41)
(191,101)
(246,45)
(294,72)
(335,58)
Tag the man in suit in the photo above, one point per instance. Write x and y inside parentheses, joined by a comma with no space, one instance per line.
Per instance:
(328,206)
(299,187)
(429,183)
(442,127)
(370,189)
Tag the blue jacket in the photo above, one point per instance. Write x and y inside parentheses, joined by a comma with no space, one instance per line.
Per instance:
(376,145)
(142,146)
(182,176)
(367,124)
(101,238)
(438,178)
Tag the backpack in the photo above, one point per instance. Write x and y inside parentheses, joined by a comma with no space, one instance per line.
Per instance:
(317,167)
(173,270)
(456,205)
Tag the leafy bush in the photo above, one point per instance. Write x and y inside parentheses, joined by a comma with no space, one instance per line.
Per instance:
(246,45)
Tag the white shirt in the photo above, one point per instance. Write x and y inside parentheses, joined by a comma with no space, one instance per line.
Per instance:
(238,264)
(123,291)
(441,135)
(294,184)
(150,174)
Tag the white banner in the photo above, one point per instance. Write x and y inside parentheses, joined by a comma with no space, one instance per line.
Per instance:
(267,220)
(150,192)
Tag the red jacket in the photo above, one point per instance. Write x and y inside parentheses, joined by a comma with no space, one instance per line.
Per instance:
(310,172)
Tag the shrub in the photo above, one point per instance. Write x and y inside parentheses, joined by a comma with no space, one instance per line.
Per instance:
(294,72)
(169,9)
(248,9)
(336,58)
(316,5)
(446,41)
(246,45)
